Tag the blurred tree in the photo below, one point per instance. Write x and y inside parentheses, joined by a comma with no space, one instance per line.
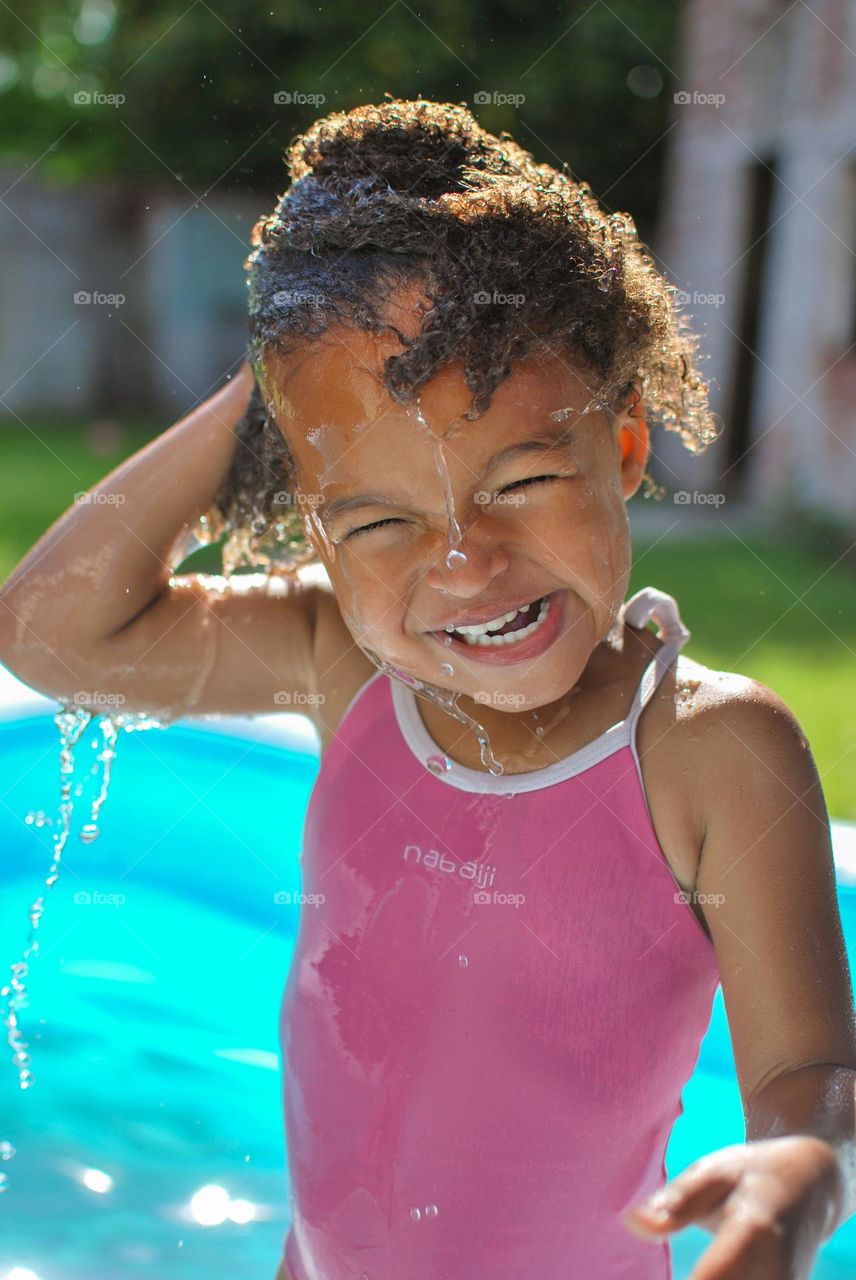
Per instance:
(199,84)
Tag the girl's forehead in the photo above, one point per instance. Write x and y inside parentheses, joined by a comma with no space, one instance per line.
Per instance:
(330,396)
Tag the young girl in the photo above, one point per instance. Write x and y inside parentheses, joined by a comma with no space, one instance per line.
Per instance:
(541,833)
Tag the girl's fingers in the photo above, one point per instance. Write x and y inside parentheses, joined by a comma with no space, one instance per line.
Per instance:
(695,1196)
(746,1248)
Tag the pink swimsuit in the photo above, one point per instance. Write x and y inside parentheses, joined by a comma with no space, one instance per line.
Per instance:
(491,1014)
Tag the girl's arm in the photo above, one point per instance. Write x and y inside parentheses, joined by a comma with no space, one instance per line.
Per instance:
(767,870)
(89,615)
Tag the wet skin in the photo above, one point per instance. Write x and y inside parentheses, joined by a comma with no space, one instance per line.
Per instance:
(764,829)
(394,584)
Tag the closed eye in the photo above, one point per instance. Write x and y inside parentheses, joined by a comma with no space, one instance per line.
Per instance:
(378,524)
(375,525)
(530,480)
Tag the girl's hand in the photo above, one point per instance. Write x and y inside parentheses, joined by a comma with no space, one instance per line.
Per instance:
(770,1205)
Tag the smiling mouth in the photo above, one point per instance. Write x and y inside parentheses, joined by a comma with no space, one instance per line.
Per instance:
(502,631)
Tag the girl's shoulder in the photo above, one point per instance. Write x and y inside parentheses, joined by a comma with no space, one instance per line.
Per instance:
(706,701)
(709,737)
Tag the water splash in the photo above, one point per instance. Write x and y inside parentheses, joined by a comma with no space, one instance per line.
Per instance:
(72,723)
(597,404)
(38,818)
(447,699)
(455,557)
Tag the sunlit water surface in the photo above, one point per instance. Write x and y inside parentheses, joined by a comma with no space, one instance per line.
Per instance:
(150,1143)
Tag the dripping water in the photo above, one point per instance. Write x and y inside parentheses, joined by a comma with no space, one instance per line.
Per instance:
(455,557)
(448,700)
(72,723)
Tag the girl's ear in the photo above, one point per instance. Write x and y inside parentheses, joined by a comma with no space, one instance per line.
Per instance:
(633,442)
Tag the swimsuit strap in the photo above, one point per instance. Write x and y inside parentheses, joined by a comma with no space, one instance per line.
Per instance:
(638,611)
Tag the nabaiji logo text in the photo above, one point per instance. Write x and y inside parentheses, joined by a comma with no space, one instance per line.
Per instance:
(480,873)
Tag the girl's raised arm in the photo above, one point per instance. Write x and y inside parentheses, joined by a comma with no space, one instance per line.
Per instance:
(89,615)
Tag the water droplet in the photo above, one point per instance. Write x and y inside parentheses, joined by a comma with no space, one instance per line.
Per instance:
(6,1151)
(38,818)
(463,961)
(447,669)
(454,559)
(415,1214)
(430,1211)
(72,721)
(540,730)
(448,701)
(404,677)
(439,764)
(4,1182)
(603,285)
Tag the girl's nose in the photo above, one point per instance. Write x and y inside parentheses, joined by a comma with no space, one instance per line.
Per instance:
(468,567)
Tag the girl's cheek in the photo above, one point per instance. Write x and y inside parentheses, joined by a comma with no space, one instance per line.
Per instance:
(371,608)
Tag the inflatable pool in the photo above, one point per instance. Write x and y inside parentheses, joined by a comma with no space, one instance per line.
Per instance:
(151,1142)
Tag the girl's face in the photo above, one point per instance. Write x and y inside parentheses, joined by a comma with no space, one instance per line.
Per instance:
(424,519)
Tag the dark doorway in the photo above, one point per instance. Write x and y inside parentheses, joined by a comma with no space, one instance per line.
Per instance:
(760,186)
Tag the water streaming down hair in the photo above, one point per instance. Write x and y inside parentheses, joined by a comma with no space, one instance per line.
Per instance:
(385,196)
(379,198)
(413,191)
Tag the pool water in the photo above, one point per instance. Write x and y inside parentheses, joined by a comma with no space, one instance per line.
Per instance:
(153,1008)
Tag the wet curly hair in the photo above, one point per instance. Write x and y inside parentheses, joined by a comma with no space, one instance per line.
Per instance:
(386,195)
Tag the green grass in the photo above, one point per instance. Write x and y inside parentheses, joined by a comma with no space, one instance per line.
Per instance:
(768,608)
(42,468)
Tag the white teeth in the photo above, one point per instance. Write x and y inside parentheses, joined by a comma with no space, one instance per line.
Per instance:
(485,640)
(482,628)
